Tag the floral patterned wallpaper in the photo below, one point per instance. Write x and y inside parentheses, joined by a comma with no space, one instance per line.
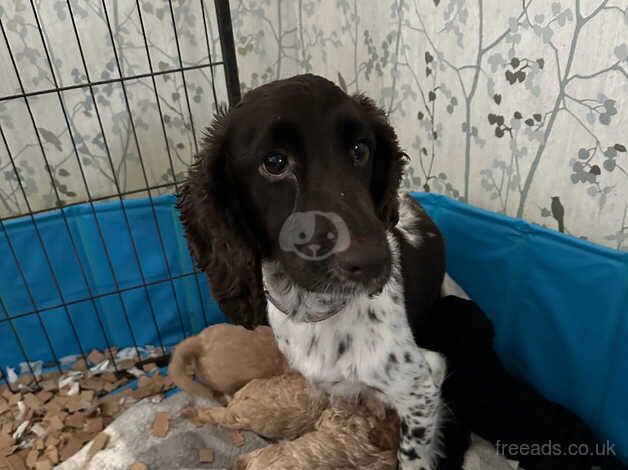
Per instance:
(517,106)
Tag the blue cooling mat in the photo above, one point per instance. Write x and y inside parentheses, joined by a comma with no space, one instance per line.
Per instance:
(559,304)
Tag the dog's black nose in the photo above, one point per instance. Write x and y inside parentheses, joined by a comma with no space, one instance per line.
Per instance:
(362,262)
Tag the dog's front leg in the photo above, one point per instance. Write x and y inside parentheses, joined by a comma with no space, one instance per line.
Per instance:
(411,384)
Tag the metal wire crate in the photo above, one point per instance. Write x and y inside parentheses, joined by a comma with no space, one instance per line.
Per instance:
(101,100)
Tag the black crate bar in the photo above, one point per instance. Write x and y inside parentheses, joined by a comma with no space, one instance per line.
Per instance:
(101,296)
(229,66)
(227,45)
(108,81)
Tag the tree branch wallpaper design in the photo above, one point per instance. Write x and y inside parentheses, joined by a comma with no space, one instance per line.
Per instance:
(107,138)
(517,106)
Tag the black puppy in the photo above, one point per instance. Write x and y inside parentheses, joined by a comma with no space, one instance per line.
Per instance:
(494,404)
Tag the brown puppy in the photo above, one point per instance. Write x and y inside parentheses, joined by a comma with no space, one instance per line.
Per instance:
(281,407)
(315,433)
(343,439)
(224,358)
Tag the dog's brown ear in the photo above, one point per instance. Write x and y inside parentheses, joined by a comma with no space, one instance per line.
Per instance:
(213,216)
(388,164)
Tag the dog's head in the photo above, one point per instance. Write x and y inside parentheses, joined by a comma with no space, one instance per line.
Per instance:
(299,173)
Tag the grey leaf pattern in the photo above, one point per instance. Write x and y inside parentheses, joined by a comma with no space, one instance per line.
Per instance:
(51,138)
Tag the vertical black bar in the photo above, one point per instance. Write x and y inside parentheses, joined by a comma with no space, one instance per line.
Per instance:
(230,63)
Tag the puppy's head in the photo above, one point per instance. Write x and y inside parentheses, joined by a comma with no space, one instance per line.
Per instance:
(301,174)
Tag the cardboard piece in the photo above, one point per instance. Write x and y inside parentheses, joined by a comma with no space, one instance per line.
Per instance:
(43,465)
(6,441)
(48,385)
(31,458)
(94,425)
(72,447)
(161,424)
(32,401)
(150,366)
(80,365)
(44,396)
(95,357)
(53,455)
(95,384)
(4,406)
(75,420)
(205,456)
(98,444)
(15,462)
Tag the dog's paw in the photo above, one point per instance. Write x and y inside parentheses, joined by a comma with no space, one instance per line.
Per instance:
(219,416)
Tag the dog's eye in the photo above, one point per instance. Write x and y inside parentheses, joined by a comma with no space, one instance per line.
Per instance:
(275,164)
(360,152)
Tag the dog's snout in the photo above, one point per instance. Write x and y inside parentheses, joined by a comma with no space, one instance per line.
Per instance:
(362,262)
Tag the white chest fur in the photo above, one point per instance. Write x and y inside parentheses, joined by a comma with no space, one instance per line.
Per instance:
(349,347)
(358,347)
